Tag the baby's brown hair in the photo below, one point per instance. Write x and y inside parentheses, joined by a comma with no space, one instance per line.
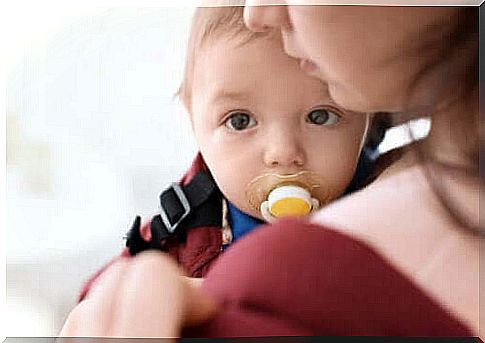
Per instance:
(211,23)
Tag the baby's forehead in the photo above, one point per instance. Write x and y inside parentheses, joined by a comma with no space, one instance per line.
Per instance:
(232,38)
(232,68)
(226,26)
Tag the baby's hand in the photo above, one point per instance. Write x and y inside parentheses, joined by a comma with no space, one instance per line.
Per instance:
(144,296)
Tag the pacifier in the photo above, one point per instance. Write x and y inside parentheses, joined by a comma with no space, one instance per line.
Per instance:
(295,195)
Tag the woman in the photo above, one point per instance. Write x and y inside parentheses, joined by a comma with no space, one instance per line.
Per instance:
(402,254)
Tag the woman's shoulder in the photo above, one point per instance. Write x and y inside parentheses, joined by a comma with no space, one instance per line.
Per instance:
(385,204)
(400,218)
(398,215)
(320,281)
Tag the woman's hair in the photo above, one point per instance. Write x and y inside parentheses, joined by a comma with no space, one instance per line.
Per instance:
(457,48)
(380,123)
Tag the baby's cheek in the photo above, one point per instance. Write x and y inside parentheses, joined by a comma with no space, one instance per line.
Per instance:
(233,187)
(237,196)
(338,174)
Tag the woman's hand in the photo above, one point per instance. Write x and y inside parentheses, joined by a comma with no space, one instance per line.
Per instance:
(144,296)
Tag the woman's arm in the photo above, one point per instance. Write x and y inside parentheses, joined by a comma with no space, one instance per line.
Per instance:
(145,296)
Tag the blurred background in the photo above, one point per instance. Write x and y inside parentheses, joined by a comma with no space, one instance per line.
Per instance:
(94,133)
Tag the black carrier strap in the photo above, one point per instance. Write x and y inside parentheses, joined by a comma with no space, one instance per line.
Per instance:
(199,203)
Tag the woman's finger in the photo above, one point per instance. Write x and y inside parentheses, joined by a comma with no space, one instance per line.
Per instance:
(144,296)
(86,320)
(196,282)
(200,307)
(153,302)
(94,316)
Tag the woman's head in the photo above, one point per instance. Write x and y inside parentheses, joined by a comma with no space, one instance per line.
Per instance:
(394,59)
(406,60)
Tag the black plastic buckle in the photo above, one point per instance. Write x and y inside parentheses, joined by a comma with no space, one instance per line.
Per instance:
(185,204)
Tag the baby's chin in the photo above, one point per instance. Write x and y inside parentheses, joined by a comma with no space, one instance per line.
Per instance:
(252,212)
(247,209)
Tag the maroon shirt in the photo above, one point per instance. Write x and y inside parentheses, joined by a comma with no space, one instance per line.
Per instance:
(294,278)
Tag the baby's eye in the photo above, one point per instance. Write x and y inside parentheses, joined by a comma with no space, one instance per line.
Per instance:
(323,117)
(240,121)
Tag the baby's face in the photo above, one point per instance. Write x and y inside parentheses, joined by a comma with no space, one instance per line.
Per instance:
(254,111)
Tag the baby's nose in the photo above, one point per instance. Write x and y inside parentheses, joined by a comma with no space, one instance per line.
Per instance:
(284,150)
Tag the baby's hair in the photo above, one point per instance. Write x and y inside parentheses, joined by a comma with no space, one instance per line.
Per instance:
(208,24)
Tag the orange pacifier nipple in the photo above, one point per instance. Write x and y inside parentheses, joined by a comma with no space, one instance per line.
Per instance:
(286,201)
(295,195)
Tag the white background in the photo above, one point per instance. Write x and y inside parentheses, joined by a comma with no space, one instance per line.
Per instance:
(93,134)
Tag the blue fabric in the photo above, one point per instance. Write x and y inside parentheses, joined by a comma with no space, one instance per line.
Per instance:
(240,222)
(365,166)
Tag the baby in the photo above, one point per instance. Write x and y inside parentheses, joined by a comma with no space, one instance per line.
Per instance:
(258,118)
(272,144)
